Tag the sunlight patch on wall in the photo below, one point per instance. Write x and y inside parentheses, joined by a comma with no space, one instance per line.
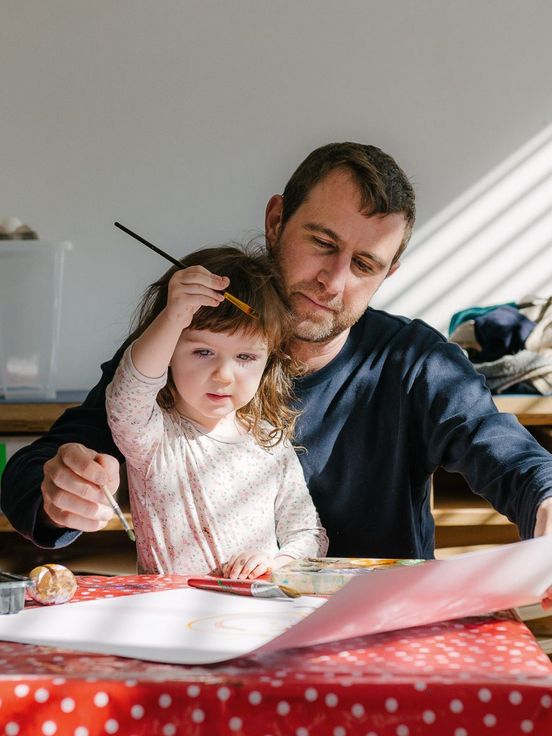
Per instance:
(492,244)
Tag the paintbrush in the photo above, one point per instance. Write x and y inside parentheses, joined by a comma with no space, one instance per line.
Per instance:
(229,297)
(117,509)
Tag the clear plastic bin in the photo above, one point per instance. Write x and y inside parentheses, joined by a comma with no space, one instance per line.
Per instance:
(31,280)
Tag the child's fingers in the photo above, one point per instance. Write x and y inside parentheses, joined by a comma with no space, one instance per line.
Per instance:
(234,566)
(197,275)
(260,568)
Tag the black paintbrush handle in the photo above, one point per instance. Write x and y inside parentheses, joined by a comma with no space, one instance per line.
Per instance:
(149,245)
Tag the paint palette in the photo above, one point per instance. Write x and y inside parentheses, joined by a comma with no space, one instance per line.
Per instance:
(326,575)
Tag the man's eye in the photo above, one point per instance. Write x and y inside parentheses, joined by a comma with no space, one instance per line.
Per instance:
(323,243)
(363,266)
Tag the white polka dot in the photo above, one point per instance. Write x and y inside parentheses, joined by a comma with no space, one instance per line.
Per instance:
(391,705)
(546,701)
(255,697)
(41,695)
(282,708)
(131,683)
(12,728)
(456,706)
(198,716)
(49,728)
(460,732)
(101,699)
(515,697)
(169,729)
(301,732)
(67,705)
(193,691)
(331,700)
(428,716)
(357,710)
(223,693)
(165,700)
(402,730)
(489,720)
(484,695)
(311,694)
(111,726)
(58,681)
(21,690)
(137,711)
(235,723)
(81,731)
(527,726)
(339,731)
(420,686)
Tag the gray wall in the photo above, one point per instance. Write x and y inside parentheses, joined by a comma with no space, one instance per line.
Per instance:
(181,117)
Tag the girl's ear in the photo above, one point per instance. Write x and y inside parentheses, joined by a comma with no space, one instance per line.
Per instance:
(273,219)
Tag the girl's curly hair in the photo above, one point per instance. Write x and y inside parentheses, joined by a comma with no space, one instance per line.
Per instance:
(254,281)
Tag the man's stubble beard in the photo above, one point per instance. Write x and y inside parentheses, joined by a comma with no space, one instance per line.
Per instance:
(319,327)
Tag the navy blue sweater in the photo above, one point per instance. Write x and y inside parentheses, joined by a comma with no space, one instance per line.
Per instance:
(397,402)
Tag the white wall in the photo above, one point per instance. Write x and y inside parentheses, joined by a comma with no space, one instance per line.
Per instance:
(181,117)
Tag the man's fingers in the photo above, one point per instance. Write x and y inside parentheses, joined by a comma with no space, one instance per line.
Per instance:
(63,479)
(58,501)
(111,466)
(71,520)
(82,461)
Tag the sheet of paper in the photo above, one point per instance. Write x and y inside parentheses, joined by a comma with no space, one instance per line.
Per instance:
(185,626)
(465,585)
(190,626)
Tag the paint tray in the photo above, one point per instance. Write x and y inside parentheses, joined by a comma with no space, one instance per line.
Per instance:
(12,592)
(326,575)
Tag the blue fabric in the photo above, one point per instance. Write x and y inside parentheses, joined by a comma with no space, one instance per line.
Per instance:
(501,331)
(472,313)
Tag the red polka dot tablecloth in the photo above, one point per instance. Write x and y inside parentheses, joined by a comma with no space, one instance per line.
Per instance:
(482,675)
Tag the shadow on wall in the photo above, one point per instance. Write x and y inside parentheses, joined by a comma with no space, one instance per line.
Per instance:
(491,245)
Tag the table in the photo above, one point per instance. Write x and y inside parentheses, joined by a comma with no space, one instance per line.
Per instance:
(480,675)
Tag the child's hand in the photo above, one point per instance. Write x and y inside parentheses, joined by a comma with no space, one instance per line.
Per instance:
(192,288)
(248,564)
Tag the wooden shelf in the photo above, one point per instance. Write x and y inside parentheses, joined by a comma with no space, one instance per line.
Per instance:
(113,525)
(531,411)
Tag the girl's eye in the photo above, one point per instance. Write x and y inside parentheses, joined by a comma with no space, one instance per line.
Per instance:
(203,353)
(245,357)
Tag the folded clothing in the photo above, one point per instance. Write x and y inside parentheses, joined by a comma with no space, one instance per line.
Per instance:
(501,331)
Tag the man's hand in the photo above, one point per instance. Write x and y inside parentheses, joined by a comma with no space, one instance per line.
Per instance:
(72,488)
(543,525)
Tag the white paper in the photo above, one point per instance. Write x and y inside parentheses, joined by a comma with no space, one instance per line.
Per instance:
(184,626)
(190,626)
(465,585)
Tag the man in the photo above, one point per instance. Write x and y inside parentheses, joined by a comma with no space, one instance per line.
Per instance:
(385,400)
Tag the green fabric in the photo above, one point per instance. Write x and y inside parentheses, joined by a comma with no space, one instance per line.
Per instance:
(3,458)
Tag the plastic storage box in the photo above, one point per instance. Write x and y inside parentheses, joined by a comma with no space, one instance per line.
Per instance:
(31,280)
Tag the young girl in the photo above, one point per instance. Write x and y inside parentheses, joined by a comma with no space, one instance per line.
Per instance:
(199,406)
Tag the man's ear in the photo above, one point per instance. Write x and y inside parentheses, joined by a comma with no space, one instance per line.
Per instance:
(393,268)
(273,219)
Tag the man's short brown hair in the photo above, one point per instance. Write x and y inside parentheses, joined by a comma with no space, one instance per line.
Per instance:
(383,185)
